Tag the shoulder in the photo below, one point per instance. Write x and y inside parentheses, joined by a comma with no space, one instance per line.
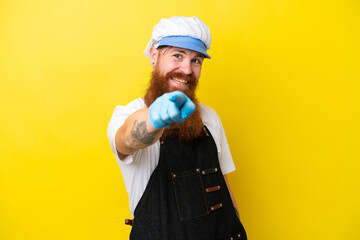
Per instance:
(134,105)
(121,113)
(207,111)
(209,115)
(211,119)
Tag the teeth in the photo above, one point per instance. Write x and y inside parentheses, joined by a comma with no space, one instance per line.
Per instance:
(179,81)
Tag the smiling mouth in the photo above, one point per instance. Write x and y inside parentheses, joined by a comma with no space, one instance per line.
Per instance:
(179,81)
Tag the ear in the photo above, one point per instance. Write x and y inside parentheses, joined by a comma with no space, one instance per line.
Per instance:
(154,53)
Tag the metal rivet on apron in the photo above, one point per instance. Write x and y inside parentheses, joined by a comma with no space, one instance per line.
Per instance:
(239,235)
(174,175)
(129,222)
(212,189)
(197,170)
(216,206)
(209,171)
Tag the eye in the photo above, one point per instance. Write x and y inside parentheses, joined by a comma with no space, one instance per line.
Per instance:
(177,55)
(196,61)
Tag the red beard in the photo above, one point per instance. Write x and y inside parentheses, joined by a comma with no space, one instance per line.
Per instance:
(192,126)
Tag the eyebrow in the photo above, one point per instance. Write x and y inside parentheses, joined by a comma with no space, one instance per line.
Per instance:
(184,52)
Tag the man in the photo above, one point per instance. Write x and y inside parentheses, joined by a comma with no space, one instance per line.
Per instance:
(171,149)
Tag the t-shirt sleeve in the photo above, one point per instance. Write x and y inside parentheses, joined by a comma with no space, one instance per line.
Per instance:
(120,114)
(226,161)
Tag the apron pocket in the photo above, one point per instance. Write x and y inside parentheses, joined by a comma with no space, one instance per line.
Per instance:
(189,194)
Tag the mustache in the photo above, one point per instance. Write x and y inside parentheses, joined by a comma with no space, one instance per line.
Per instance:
(190,77)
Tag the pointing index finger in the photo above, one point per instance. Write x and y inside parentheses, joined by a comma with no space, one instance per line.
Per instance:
(178,98)
(187,109)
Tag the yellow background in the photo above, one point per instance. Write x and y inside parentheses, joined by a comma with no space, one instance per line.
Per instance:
(284,78)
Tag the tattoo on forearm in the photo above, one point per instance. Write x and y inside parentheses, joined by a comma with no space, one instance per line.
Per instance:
(141,136)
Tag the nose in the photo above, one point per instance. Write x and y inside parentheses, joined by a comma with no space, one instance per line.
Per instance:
(186,67)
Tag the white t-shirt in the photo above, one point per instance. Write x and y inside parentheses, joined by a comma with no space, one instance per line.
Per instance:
(138,167)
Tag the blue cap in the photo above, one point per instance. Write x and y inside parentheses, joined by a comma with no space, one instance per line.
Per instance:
(185,42)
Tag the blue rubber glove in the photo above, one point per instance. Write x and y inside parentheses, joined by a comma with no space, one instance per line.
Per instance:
(170,107)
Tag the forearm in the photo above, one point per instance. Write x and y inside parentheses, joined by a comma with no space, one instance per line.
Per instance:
(138,130)
(136,133)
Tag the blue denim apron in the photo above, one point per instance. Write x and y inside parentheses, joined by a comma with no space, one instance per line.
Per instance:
(186,196)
